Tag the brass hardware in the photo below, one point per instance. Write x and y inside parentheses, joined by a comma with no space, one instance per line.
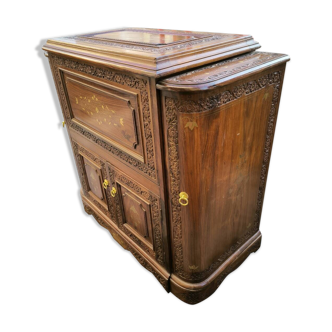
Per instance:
(113,192)
(63,123)
(183,198)
(105,184)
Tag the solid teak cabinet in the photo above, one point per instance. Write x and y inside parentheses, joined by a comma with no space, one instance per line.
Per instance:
(172,134)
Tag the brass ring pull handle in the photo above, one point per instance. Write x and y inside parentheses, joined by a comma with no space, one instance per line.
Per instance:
(113,192)
(183,200)
(105,184)
(63,123)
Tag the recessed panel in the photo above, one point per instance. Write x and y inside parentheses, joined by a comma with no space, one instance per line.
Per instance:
(109,112)
(94,179)
(152,38)
(137,215)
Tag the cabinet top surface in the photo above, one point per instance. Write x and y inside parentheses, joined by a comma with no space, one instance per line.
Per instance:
(143,40)
(222,72)
(146,37)
(156,51)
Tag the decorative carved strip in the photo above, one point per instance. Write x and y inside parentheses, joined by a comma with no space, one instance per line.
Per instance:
(248,61)
(173,107)
(124,79)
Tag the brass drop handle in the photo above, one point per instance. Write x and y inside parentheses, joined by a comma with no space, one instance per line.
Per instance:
(113,192)
(183,200)
(63,123)
(105,184)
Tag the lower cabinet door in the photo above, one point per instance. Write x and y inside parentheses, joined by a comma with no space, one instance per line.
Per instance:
(138,213)
(130,206)
(95,179)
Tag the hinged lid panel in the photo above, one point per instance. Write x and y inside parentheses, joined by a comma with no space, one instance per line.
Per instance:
(221,73)
(154,52)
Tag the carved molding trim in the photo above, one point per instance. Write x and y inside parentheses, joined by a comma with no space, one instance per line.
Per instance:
(158,254)
(248,61)
(173,107)
(163,281)
(124,79)
(194,297)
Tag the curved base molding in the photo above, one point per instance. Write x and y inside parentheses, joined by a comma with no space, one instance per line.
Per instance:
(158,271)
(193,293)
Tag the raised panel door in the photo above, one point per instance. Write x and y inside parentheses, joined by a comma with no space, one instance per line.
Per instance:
(138,213)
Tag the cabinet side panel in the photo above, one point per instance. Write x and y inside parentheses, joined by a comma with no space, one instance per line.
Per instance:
(218,147)
(221,159)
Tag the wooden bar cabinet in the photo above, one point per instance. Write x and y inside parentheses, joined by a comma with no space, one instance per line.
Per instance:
(172,134)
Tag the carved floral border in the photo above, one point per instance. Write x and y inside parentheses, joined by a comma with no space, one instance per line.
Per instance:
(248,61)
(173,107)
(131,81)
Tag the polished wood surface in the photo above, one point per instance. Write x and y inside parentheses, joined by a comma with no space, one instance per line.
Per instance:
(142,37)
(117,86)
(228,160)
(218,144)
(94,180)
(136,214)
(92,171)
(111,112)
(151,52)
(140,142)
(223,72)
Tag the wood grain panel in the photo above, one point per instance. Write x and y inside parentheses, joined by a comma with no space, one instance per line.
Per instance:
(109,112)
(152,52)
(221,173)
(139,214)
(155,38)
(136,214)
(92,172)
(94,179)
